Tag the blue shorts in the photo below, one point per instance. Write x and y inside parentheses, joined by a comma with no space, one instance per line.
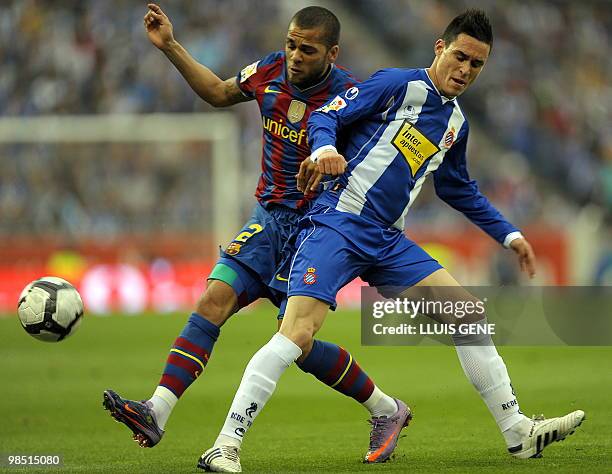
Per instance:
(335,247)
(248,264)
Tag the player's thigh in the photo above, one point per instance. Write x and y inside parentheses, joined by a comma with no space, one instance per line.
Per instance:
(218,302)
(440,277)
(440,287)
(304,316)
(441,284)
(231,286)
(324,262)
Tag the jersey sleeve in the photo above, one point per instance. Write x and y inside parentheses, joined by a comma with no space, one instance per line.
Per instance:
(453,185)
(371,97)
(252,75)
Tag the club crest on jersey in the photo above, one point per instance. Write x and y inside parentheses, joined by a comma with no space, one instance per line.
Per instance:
(310,277)
(248,71)
(449,138)
(335,105)
(296,111)
(233,248)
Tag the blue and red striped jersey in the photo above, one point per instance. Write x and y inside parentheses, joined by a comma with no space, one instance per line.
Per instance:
(285,110)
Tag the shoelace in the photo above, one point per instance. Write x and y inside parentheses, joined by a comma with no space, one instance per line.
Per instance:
(535,419)
(378,427)
(230,452)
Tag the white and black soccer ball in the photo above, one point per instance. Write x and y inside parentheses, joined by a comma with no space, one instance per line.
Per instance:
(50,309)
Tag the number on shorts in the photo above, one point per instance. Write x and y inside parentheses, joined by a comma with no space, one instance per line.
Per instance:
(246,235)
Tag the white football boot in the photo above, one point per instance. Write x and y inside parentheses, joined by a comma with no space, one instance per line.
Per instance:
(544,431)
(221,459)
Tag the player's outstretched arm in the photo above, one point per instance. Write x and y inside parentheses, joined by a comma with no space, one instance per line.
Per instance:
(203,81)
(453,185)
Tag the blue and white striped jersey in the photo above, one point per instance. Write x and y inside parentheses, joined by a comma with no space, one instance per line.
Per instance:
(399,129)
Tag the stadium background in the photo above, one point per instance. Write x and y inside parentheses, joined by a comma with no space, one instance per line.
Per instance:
(131,224)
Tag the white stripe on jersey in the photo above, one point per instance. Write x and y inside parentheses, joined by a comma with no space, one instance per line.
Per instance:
(456,121)
(380,156)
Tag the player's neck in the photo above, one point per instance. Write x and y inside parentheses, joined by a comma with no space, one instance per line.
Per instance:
(315,81)
(431,72)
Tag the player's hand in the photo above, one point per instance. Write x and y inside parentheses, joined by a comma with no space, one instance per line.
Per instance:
(158,26)
(331,163)
(309,177)
(525,255)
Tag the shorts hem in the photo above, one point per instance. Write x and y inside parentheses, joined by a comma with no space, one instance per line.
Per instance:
(330,301)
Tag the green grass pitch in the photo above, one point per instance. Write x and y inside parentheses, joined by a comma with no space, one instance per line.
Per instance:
(51,397)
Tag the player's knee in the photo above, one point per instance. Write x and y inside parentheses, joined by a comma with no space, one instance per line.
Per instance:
(301,337)
(305,352)
(217,303)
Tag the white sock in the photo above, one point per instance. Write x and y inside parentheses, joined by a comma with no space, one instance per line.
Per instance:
(517,432)
(487,372)
(258,383)
(162,403)
(380,404)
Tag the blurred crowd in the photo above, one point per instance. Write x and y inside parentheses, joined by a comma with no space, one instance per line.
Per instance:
(92,56)
(540,112)
(103,189)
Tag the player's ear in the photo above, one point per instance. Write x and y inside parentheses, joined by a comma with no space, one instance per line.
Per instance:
(332,54)
(439,46)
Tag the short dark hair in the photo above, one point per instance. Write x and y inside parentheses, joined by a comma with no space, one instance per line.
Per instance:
(472,22)
(319,17)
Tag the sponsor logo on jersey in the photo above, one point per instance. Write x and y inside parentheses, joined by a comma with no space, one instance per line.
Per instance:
(415,147)
(335,105)
(248,71)
(296,111)
(233,248)
(449,138)
(278,129)
(267,90)
(351,93)
(310,277)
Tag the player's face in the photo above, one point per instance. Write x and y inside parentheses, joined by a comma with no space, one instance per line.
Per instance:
(458,64)
(307,56)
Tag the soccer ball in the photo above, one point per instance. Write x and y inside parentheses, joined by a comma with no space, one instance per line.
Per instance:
(50,309)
